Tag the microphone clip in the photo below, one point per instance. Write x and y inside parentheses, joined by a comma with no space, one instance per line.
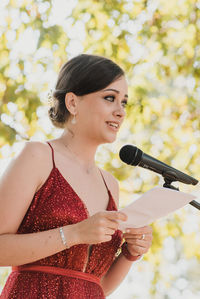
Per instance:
(167,184)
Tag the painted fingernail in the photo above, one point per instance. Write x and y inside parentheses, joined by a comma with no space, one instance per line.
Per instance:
(127,230)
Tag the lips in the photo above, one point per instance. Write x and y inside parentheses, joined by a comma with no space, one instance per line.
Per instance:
(113,124)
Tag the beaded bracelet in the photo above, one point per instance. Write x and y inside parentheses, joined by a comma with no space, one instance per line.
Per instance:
(127,254)
(62,235)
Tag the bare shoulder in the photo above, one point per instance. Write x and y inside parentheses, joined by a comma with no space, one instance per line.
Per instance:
(112,184)
(37,157)
(20,181)
(35,149)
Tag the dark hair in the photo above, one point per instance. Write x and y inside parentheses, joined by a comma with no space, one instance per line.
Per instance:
(81,75)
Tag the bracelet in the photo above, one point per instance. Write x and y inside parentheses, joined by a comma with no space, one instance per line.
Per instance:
(127,254)
(62,235)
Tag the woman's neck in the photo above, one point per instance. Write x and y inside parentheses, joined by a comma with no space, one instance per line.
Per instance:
(80,150)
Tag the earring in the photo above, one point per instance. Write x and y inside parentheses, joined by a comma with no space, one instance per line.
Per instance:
(73,121)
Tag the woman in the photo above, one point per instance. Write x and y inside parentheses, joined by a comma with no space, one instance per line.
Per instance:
(58,210)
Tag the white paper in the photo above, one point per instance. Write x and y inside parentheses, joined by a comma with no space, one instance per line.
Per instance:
(152,205)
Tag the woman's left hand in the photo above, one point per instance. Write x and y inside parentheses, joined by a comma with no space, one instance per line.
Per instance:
(138,240)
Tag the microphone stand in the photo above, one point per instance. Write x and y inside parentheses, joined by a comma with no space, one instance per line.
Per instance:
(167,184)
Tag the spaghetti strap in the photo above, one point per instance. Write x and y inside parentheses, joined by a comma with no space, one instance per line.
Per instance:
(104,180)
(54,165)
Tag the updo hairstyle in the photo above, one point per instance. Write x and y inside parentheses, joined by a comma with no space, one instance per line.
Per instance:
(81,75)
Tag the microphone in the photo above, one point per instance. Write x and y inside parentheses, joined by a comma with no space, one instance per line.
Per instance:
(134,156)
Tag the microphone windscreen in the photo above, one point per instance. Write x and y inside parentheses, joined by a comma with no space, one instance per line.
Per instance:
(130,154)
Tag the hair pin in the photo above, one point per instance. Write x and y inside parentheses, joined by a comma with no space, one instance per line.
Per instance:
(50,98)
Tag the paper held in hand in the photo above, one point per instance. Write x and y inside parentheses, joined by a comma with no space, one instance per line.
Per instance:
(152,205)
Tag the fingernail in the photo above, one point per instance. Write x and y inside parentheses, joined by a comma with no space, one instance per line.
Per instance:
(127,230)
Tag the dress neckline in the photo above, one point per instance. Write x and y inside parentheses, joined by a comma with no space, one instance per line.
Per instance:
(80,200)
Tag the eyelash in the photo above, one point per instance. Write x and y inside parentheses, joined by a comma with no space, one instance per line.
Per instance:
(124,102)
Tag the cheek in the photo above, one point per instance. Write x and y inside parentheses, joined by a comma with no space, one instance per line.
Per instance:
(95,112)
(98,113)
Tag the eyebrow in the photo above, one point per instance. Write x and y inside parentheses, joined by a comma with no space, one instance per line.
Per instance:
(115,90)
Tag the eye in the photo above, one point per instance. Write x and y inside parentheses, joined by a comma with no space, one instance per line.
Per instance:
(124,103)
(110,98)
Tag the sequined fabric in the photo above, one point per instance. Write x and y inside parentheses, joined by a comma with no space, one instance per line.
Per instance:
(56,204)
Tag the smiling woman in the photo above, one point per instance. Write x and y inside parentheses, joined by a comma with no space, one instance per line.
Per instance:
(82,75)
(62,238)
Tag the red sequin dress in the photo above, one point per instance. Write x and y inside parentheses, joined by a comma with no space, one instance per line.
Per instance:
(73,273)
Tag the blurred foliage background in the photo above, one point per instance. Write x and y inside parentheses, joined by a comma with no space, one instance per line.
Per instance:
(157,42)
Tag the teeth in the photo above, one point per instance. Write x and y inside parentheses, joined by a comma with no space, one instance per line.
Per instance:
(113,125)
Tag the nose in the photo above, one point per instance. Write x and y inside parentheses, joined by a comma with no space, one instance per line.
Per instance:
(119,111)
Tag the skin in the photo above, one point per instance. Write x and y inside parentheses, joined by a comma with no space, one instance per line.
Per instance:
(74,154)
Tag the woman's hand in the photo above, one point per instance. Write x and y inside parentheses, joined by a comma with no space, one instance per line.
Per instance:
(97,228)
(138,240)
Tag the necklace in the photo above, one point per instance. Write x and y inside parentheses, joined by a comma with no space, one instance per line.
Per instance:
(89,169)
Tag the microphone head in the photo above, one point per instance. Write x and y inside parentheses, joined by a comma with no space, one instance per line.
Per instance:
(130,154)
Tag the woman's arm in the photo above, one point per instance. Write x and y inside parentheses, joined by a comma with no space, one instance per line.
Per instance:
(115,274)
(121,266)
(18,185)
(24,176)
(19,249)
(135,244)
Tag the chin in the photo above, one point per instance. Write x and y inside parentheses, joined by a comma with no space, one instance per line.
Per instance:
(110,139)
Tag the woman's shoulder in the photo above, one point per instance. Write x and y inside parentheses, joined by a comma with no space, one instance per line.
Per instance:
(20,180)
(112,185)
(35,158)
(35,150)
(34,155)
(35,147)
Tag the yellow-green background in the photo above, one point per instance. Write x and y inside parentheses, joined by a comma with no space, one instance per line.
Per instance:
(158,45)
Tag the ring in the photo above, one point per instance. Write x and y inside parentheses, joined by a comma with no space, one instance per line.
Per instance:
(143,236)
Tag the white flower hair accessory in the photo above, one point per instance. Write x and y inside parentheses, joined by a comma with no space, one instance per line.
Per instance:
(50,98)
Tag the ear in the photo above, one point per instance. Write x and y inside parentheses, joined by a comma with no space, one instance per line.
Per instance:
(71,102)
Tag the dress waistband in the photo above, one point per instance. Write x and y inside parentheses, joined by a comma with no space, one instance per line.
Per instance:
(59,271)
